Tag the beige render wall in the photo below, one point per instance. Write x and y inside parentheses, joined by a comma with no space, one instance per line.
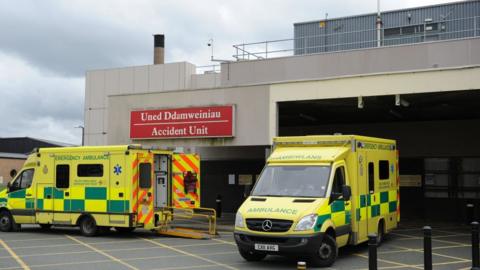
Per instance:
(432,80)
(251,120)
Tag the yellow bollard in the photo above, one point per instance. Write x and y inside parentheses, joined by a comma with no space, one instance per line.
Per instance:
(301,265)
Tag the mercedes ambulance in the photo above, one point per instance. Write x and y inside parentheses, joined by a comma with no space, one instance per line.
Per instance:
(97,188)
(319,193)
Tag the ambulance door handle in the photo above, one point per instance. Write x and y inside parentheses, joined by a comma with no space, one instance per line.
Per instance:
(49,196)
(120,194)
(67,194)
(28,195)
(347,203)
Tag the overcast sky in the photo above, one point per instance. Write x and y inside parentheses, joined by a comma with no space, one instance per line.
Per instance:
(46,46)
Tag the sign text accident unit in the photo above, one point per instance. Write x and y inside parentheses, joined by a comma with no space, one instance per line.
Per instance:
(195,122)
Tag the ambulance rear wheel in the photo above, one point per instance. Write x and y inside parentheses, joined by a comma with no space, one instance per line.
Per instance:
(88,226)
(380,233)
(6,221)
(326,253)
(252,256)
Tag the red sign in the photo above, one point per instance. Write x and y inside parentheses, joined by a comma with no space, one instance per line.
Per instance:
(200,122)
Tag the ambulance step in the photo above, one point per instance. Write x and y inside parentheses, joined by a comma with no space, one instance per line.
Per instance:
(185,233)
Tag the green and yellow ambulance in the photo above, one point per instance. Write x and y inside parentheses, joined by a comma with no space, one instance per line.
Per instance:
(319,193)
(100,187)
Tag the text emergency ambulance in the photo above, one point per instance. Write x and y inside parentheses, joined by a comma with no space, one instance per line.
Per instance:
(319,193)
(100,187)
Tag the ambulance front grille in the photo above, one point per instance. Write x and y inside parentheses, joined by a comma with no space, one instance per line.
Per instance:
(277,225)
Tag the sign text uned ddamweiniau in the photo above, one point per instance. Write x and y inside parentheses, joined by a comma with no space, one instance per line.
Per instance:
(199,122)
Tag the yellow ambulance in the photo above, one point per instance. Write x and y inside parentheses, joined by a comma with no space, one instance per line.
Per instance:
(319,193)
(97,188)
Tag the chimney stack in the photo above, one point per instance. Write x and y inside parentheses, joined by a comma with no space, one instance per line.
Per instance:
(158,49)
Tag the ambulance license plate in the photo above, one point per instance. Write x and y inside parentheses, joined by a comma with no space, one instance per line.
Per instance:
(265,247)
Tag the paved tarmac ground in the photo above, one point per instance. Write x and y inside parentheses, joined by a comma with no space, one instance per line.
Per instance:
(65,248)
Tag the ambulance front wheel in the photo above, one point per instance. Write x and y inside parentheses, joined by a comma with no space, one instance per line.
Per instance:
(252,256)
(88,226)
(7,224)
(326,253)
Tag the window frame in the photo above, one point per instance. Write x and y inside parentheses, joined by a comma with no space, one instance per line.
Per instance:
(383,172)
(141,174)
(90,164)
(68,176)
(371,176)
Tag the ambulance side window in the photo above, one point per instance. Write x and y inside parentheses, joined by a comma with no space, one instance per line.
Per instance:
(27,178)
(383,170)
(145,175)
(90,170)
(24,180)
(62,176)
(338,181)
(371,177)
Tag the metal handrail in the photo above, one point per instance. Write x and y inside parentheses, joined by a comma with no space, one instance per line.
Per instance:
(243,53)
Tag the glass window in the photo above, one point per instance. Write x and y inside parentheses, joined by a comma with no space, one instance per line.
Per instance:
(62,176)
(145,175)
(371,177)
(90,170)
(23,181)
(27,178)
(383,170)
(293,181)
(338,180)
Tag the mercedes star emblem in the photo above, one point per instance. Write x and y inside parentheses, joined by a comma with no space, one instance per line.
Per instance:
(267,225)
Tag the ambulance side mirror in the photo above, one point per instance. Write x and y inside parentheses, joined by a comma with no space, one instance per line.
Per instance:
(346,192)
(9,185)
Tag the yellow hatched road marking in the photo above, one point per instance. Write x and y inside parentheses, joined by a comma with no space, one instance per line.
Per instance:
(102,252)
(14,255)
(190,254)
(224,242)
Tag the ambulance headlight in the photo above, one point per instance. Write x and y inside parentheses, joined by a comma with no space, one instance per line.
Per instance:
(306,223)
(239,220)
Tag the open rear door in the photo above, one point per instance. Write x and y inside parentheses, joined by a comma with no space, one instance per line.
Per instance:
(186,181)
(143,196)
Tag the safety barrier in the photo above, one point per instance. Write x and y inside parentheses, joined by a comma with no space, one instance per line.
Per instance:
(427,248)
(187,222)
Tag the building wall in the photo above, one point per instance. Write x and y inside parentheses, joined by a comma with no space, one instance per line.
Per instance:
(453,53)
(6,166)
(251,106)
(427,81)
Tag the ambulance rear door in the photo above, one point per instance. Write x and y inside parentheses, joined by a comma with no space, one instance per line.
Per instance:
(143,188)
(186,180)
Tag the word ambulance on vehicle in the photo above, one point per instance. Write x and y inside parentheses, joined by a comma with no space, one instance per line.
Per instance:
(96,188)
(319,193)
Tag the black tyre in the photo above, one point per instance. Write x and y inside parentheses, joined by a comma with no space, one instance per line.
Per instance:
(252,256)
(88,226)
(6,221)
(326,253)
(124,229)
(380,233)
(45,226)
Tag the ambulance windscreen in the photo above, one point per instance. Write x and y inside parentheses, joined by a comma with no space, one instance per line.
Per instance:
(293,181)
